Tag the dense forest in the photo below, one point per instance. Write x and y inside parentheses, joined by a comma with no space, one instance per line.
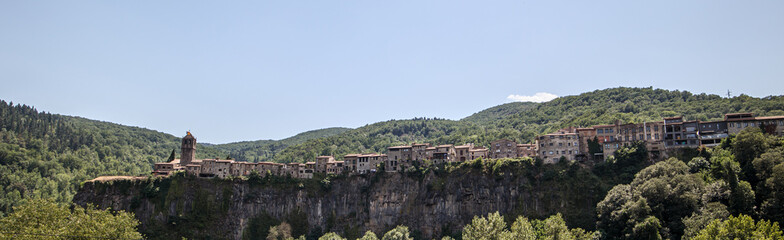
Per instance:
(44,155)
(265,150)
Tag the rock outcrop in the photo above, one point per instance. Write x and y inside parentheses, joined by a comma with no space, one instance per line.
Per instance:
(432,204)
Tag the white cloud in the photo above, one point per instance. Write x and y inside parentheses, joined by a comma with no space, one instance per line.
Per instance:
(538,97)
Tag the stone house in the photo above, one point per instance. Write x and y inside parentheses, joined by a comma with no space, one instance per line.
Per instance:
(503,148)
(527,150)
(478,153)
(558,145)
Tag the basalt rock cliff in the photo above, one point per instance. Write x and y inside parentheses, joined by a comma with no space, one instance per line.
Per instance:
(431,203)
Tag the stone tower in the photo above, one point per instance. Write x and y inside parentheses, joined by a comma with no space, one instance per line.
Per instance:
(188,149)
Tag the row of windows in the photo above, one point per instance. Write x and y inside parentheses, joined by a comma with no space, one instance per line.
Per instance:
(556,152)
(604,130)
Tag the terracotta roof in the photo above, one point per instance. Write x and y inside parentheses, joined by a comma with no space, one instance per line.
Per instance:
(478,150)
(193,165)
(324,157)
(352,155)
(463,146)
(430,148)
(420,144)
(399,147)
(310,163)
(769,118)
(445,145)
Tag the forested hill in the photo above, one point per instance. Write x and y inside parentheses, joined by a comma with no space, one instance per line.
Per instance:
(500,112)
(523,121)
(49,155)
(265,150)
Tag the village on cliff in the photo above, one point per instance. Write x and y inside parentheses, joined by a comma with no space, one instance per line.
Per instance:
(568,144)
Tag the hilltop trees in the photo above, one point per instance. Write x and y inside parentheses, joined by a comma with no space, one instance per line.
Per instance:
(38,218)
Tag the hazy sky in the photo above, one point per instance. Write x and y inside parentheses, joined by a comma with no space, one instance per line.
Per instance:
(231,70)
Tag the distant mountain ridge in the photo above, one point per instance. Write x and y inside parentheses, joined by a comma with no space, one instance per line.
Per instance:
(500,112)
(262,150)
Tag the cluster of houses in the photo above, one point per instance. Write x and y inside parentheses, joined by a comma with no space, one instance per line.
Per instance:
(571,144)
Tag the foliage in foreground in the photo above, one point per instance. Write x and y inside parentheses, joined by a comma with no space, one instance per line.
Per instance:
(37,219)
(740,227)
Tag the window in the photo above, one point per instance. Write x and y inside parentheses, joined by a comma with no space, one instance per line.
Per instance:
(551,152)
(568,144)
(600,131)
(551,144)
(656,128)
(610,130)
(560,144)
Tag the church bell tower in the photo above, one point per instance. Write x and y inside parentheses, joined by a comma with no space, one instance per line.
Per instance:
(188,149)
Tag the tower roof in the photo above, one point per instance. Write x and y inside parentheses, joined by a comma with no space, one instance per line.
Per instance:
(188,135)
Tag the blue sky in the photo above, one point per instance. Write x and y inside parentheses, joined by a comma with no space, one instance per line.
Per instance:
(248,70)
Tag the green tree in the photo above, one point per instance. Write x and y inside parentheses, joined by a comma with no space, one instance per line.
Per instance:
(707,214)
(369,236)
(397,233)
(553,228)
(492,227)
(522,229)
(279,232)
(171,156)
(748,145)
(331,236)
(740,227)
(37,218)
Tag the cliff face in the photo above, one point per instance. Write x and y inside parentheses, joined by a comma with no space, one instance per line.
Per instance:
(431,204)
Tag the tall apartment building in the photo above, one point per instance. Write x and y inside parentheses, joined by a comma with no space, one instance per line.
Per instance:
(736,122)
(322,162)
(398,158)
(443,154)
(366,163)
(679,133)
(561,144)
(503,148)
(463,152)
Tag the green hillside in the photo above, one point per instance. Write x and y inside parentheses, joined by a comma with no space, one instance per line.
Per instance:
(265,150)
(499,112)
(48,155)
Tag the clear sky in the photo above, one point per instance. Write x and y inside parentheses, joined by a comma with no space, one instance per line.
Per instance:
(248,70)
